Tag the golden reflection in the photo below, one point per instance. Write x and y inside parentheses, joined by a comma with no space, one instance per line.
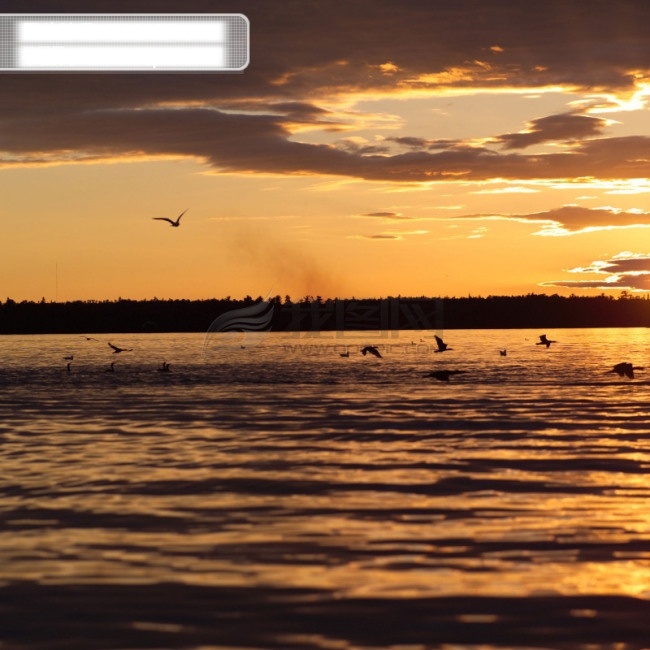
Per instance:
(411,493)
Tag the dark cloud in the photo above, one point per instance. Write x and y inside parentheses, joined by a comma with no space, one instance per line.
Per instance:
(361,148)
(628,265)
(386,215)
(574,218)
(624,271)
(299,109)
(298,46)
(263,143)
(411,142)
(632,283)
(571,220)
(425,144)
(304,53)
(563,127)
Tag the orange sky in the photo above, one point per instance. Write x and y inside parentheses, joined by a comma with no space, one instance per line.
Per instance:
(382,148)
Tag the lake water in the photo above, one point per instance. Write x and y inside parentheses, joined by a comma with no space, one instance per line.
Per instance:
(279,495)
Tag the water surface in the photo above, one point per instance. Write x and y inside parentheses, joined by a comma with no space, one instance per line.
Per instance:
(279,495)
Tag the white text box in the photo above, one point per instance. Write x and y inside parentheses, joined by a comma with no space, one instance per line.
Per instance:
(120,56)
(108,31)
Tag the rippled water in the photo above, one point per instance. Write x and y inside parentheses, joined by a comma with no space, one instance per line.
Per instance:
(279,495)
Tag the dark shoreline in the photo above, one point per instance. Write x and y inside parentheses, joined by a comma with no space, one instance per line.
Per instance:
(318,314)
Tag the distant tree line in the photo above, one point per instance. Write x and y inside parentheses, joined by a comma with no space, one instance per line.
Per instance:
(317,314)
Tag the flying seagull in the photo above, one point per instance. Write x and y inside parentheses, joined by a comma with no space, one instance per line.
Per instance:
(625,369)
(88,338)
(372,349)
(442,346)
(544,341)
(443,375)
(118,350)
(173,223)
(70,358)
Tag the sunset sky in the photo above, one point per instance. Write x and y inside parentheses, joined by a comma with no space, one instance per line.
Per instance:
(371,148)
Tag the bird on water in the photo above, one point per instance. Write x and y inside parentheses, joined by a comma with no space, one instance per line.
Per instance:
(372,349)
(176,223)
(545,341)
(442,346)
(625,369)
(443,375)
(117,350)
(164,367)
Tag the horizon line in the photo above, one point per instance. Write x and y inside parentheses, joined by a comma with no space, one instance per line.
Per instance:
(624,295)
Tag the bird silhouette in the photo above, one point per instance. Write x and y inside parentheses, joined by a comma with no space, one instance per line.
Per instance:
(117,350)
(68,366)
(164,367)
(442,346)
(372,349)
(173,223)
(70,358)
(544,341)
(345,354)
(88,338)
(443,375)
(625,369)
(503,353)
(111,368)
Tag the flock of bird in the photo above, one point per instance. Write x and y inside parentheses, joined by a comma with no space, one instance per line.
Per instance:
(165,366)
(623,369)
